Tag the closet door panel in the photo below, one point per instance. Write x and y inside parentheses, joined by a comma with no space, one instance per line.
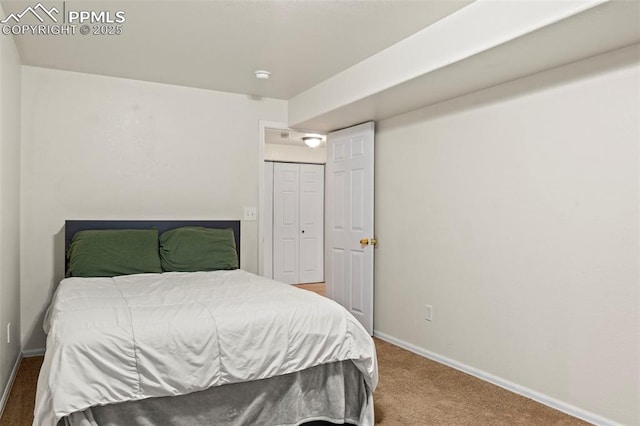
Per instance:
(286,225)
(311,223)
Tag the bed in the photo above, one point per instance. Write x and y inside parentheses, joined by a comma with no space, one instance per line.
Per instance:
(185,337)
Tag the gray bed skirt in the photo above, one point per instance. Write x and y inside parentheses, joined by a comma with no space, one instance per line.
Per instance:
(334,393)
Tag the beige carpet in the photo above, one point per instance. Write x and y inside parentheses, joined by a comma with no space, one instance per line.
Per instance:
(416,391)
(19,408)
(412,391)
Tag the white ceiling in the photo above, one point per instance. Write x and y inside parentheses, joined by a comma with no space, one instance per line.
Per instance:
(219,44)
(336,62)
(482,45)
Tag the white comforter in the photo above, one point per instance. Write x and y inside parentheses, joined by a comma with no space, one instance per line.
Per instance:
(132,337)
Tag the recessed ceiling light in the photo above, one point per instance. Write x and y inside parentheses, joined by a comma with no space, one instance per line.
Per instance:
(262,74)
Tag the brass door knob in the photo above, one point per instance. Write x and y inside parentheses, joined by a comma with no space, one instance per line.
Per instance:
(367,241)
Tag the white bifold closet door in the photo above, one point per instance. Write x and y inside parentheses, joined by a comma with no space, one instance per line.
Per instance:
(298,223)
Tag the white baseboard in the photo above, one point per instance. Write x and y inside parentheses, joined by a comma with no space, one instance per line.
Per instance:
(505,384)
(7,389)
(33,352)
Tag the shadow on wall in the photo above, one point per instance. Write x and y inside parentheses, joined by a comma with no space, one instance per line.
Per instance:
(59,259)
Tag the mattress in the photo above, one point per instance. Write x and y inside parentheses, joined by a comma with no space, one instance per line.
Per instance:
(135,337)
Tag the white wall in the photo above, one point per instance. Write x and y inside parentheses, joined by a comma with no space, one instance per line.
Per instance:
(295,153)
(98,147)
(10,69)
(514,212)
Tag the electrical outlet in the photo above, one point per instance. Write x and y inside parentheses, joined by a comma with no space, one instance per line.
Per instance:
(428,313)
(250,213)
(8,333)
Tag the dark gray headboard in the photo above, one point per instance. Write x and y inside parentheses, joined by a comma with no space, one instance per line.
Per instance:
(73,226)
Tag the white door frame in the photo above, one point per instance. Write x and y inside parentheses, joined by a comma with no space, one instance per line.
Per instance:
(264,125)
(267,221)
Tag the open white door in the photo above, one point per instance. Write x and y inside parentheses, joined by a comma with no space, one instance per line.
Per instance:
(349,221)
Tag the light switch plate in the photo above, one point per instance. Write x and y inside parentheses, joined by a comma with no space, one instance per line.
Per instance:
(428,315)
(250,213)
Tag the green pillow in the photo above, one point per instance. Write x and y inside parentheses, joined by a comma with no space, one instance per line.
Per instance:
(193,248)
(107,253)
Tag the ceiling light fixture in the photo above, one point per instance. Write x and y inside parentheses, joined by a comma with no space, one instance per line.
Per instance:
(312,141)
(262,74)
